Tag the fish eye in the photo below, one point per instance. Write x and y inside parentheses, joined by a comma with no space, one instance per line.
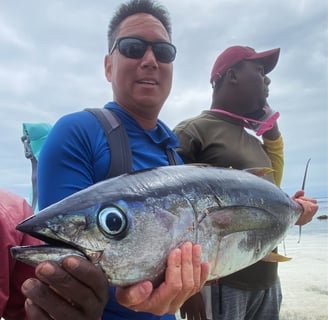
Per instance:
(113,222)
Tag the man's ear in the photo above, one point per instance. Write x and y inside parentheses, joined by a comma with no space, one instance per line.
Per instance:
(108,67)
(231,75)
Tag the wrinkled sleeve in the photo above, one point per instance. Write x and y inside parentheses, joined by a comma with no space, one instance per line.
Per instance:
(13,273)
(70,156)
(275,151)
(187,148)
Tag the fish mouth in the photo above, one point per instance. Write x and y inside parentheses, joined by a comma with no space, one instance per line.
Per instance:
(54,247)
(53,250)
(55,244)
(33,255)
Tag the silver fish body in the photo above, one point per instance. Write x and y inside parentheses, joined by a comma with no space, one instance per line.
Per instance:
(129,224)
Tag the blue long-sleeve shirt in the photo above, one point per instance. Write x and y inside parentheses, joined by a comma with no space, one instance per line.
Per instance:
(76,155)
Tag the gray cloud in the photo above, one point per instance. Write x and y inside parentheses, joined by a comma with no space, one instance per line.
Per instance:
(51,63)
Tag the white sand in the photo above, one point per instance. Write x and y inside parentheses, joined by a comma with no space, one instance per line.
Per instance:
(304,279)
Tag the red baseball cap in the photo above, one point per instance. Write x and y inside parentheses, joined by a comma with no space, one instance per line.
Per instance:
(235,54)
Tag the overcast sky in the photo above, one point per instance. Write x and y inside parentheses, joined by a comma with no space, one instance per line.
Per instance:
(51,63)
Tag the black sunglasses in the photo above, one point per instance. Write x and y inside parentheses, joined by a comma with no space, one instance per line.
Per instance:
(135,48)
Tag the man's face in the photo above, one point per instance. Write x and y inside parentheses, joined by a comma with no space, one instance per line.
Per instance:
(253,85)
(140,86)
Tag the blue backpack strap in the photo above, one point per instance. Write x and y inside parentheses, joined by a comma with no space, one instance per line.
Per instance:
(172,156)
(118,141)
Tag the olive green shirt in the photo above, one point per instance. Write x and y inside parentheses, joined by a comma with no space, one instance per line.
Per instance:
(217,139)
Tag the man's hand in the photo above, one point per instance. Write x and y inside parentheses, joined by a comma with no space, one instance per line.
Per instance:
(185,275)
(310,207)
(75,290)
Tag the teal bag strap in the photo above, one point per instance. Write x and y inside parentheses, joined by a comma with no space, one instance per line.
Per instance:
(34,135)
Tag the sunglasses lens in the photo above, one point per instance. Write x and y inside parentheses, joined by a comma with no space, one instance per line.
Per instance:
(164,52)
(132,48)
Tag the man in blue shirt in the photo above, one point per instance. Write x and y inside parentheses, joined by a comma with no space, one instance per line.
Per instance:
(76,155)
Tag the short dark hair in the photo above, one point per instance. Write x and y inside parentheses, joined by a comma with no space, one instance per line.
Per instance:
(137,6)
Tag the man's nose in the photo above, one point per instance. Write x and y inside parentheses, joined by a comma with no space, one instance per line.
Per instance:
(267,80)
(149,58)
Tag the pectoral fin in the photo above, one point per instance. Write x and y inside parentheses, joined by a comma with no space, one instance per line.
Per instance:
(275,257)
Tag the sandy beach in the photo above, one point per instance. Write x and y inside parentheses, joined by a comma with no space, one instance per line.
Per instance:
(304,279)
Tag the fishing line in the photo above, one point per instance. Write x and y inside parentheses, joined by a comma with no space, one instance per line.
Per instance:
(303,187)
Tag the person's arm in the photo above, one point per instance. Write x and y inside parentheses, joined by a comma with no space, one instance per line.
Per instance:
(66,165)
(188,145)
(274,147)
(13,209)
(71,158)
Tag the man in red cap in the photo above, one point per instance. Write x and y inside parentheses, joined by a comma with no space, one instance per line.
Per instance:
(233,55)
(218,137)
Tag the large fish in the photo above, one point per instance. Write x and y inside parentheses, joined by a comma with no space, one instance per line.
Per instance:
(129,224)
